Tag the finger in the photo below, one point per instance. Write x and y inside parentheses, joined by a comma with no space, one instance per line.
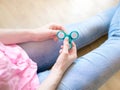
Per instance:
(61,46)
(51,26)
(60,51)
(60,27)
(73,49)
(55,27)
(65,45)
(55,38)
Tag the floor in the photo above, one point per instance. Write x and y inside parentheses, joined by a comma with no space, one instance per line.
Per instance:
(36,13)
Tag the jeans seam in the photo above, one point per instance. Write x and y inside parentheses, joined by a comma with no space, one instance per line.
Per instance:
(62,83)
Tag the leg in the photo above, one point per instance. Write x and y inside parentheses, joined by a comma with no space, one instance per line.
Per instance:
(90,30)
(93,69)
(93,28)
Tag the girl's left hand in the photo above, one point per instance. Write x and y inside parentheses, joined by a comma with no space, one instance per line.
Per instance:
(47,32)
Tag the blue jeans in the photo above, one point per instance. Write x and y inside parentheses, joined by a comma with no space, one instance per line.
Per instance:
(90,71)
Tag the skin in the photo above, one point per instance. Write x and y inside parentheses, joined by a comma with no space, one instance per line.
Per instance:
(64,60)
(13,36)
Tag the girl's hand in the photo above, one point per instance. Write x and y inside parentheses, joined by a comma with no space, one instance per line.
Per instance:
(64,60)
(66,57)
(47,32)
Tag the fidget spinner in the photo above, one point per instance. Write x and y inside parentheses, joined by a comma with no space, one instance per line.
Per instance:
(72,36)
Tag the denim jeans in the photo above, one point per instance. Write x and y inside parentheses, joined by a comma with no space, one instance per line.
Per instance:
(89,71)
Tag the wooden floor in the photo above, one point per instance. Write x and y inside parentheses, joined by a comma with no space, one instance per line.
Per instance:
(35,13)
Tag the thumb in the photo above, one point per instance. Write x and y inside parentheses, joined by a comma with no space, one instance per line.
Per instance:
(54,32)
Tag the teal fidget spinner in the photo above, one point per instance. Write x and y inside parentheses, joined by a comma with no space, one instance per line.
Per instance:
(72,36)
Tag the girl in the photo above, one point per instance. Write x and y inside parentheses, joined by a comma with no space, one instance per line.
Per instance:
(88,72)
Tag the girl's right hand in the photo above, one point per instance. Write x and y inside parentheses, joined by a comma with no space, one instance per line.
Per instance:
(66,57)
(64,60)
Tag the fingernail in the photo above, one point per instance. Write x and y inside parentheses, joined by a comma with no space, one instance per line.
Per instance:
(67,38)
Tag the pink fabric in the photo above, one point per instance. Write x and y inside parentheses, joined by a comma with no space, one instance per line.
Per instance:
(17,70)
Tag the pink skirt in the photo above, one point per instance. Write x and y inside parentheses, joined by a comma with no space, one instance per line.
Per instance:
(17,70)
